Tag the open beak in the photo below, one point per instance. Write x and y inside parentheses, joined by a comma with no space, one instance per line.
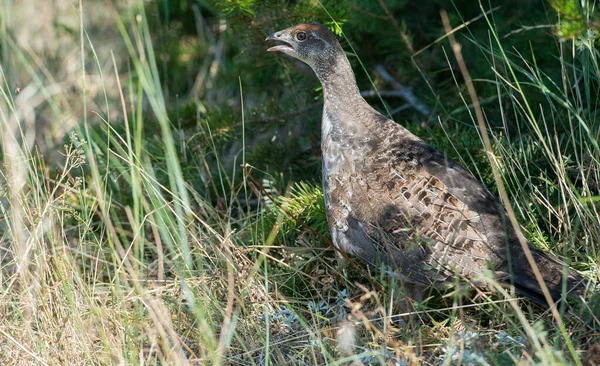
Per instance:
(282,46)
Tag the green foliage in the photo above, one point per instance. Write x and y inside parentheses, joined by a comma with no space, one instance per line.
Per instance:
(237,7)
(305,204)
(575,19)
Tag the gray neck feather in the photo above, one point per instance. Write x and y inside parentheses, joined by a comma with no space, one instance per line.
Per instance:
(337,78)
(345,112)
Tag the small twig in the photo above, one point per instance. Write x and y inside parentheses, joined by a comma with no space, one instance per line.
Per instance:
(383,93)
(399,109)
(182,342)
(527,28)
(465,24)
(394,22)
(404,91)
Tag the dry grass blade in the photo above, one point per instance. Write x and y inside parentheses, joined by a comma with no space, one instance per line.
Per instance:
(456,48)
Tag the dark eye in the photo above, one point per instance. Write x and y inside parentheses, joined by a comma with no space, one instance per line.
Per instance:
(301,36)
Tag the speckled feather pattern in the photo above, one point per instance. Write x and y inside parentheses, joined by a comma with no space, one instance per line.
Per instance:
(385,207)
(394,200)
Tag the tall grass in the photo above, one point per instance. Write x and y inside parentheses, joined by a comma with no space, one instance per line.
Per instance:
(111,255)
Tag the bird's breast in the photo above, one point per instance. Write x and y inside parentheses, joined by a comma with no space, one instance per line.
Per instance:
(343,149)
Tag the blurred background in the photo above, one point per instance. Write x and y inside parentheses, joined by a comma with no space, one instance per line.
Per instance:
(208,53)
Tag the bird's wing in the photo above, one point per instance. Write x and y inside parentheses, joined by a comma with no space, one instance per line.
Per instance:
(419,211)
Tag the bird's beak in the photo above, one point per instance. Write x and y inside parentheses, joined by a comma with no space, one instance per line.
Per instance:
(271,37)
(277,36)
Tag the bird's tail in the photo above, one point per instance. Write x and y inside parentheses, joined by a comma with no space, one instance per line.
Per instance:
(555,274)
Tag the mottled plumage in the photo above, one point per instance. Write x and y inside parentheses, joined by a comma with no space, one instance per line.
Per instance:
(393,199)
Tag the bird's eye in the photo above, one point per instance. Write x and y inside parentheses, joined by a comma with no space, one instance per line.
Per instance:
(301,36)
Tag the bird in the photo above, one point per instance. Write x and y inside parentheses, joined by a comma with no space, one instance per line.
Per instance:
(394,201)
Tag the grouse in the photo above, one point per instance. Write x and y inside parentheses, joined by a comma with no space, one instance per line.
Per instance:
(393,200)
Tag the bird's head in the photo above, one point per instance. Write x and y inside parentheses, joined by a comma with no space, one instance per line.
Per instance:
(312,43)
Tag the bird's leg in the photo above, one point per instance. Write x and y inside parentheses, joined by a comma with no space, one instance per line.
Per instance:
(342,263)
(408,296)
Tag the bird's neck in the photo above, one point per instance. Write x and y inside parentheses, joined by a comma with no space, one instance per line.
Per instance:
(339,83)
(345,112)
